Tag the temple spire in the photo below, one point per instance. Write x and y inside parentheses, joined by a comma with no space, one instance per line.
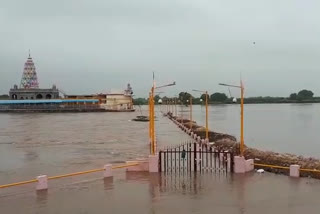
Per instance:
(29,77)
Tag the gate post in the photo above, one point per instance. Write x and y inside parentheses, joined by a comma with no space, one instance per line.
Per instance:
(239,164)
(229,160)
(107,170)
(160,162)
(195,149)
(154,163)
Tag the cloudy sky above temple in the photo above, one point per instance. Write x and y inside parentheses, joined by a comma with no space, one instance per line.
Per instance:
(101,45)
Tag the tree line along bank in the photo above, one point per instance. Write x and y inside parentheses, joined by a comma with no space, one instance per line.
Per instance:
(303,96)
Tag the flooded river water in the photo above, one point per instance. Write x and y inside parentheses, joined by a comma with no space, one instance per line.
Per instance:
(52,144)
(285,128)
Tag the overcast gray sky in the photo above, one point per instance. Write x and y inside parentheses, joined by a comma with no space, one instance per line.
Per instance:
(93,46)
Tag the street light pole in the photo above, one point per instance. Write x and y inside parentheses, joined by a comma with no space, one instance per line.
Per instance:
(207,114)
(241,116)
(150,119)
(152,116)
(175,106)
(153,143)
(191,112)
(207,122)
(242,119)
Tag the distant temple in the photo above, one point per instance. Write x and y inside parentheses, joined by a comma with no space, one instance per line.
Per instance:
(29,86)
(30,98)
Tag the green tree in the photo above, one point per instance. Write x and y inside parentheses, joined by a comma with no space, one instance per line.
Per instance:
(196,101)
(184,97)
(218,97)
(156,98)
(165,99)
(4,97)
(140,101)
(305,94)
(203,98)
(293,96)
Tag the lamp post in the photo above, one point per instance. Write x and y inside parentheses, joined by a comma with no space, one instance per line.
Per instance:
(190,103)
(167,105)
(242,114)
(151,116)
(191,112)
(207,123)
(181,109)
(149,103)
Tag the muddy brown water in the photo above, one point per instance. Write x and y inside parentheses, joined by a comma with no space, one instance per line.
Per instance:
(139,193)
(284,128)
(34,144)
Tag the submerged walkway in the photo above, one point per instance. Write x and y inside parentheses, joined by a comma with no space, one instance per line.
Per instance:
(157,193)
(140,193)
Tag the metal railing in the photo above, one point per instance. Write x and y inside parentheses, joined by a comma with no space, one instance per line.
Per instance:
(271,166)
(285,167)
(66,175)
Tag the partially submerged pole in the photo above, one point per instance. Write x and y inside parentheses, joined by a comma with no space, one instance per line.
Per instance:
(191,112)
(207,123)
(175,106)
(242,118)
(152,122)
(242,114)
(150,119)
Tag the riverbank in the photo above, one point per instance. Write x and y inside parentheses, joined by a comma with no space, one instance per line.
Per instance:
(246,101)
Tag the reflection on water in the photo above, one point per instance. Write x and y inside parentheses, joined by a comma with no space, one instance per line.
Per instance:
(108,183)
(41,198)
(185,193)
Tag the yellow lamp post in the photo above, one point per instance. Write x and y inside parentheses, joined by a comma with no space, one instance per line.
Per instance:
(150,129)
(167,106)
(175,106)
(152,116)
(190,112)
(242,114)
(207,114)
(151,122)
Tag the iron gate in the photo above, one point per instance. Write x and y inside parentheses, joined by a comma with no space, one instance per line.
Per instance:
(192,157)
